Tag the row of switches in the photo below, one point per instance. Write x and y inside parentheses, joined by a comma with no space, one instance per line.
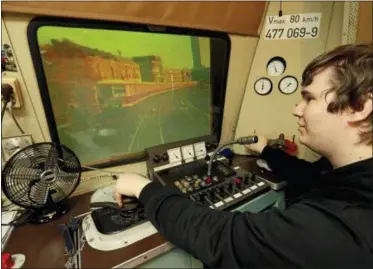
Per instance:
(219,193)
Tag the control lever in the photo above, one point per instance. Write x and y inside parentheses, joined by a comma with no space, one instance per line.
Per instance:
(111,205)
(253,178)
(128,204)
(232,187)
(277,143)
(219,197)
(206,197)
(209,201)
(225,189)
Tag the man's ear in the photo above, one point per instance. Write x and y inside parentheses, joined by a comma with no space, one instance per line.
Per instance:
(357,116)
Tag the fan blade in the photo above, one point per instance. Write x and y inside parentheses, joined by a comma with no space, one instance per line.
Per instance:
(38,193)
(69,165)
(20,178)
(19,194)
(65,178)
(25,173)
(51,161)
(27,159)
(60,192)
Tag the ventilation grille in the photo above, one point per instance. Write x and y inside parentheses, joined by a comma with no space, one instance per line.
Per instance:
(352,22)
(351,11)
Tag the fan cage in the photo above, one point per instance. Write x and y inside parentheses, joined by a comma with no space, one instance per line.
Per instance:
(38,171)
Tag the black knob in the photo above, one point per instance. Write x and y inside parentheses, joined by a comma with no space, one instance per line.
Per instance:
(165,156)
(246,179)
(156,158)
(253,178)
(208,146)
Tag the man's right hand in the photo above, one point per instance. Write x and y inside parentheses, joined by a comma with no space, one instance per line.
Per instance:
(259,146)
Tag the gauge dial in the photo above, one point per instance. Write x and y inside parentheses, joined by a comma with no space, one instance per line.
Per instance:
(263,86)
(288,85)
(200,149)
(187,151)
(276,66)
(174,155)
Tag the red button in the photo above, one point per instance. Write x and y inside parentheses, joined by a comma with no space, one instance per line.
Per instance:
(208,180)
(237,180)
(290,147)
(6,261)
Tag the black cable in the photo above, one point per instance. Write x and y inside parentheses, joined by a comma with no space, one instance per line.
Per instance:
(3,111)
(16,122)
(15,222)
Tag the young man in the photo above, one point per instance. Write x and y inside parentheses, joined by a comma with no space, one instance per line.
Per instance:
(330,223)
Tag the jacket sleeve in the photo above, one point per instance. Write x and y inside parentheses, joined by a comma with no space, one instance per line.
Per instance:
(235,239)
(292,169)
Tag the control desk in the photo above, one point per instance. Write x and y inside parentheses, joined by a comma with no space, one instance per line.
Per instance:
(234,186)
(226,188)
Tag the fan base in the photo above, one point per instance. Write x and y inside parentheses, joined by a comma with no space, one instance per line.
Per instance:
(46,215)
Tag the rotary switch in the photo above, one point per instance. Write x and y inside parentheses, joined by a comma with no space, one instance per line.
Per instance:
(156,158)
(165,156)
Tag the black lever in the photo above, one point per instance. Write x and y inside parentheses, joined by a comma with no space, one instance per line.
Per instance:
(126,206)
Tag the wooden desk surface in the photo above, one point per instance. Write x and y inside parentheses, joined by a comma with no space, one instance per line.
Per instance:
(44,247)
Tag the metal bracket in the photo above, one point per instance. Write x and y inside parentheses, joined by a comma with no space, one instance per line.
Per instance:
(146,256)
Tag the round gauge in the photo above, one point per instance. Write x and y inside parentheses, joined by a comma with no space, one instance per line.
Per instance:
(263,86)
(276,66)
(288,85)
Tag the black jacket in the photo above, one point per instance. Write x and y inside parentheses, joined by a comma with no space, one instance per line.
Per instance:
(328,223)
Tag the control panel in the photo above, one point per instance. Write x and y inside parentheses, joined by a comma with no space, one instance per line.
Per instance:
(177,153)
(184,166)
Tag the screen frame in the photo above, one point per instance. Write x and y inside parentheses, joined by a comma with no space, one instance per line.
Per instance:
(219,57)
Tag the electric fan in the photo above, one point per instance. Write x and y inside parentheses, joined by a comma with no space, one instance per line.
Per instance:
(40,178)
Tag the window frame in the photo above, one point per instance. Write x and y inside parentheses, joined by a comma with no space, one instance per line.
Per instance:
(219,57)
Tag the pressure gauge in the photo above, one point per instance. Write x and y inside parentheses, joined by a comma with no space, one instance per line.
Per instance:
(174,155)
(200,149)
(288,85)
(276,66)
(187,151)
(263,86)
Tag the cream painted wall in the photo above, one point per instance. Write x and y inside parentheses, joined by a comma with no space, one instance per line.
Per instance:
(242,54)
(272,114)
(25,115)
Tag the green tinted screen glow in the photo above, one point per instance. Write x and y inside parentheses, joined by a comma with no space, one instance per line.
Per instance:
(115,93)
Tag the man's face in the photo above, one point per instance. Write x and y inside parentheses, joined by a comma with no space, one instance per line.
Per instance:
(319,129)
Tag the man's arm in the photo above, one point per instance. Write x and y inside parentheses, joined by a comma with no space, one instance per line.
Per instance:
(233,239)
(291,168)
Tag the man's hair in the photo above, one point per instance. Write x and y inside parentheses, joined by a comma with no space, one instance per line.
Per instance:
(352,80)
